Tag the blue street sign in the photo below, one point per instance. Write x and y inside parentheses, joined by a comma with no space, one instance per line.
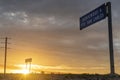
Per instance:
(93,16)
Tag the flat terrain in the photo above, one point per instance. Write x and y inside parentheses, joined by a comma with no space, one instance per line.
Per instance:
(58,77)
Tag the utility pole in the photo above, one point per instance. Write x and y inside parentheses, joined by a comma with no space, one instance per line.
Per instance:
(5,60)
(5,55)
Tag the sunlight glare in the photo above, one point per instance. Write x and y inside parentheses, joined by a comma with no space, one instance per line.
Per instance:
(24,71)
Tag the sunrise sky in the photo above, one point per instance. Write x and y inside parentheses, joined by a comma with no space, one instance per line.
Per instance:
(48,32)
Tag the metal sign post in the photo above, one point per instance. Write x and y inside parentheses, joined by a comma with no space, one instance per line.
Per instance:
(28,66)
(96,15)
(108,5)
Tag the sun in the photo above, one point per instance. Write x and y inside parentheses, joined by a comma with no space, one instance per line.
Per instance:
(25,71)
(22,69)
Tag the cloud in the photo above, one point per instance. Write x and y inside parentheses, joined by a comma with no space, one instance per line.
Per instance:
(117,45)
(16,17)
(41,67)
(62,68)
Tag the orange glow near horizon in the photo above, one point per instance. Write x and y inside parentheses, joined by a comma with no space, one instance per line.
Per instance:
(37,68)
(22,69)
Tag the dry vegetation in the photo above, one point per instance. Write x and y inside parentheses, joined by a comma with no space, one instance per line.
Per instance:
(58,77)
